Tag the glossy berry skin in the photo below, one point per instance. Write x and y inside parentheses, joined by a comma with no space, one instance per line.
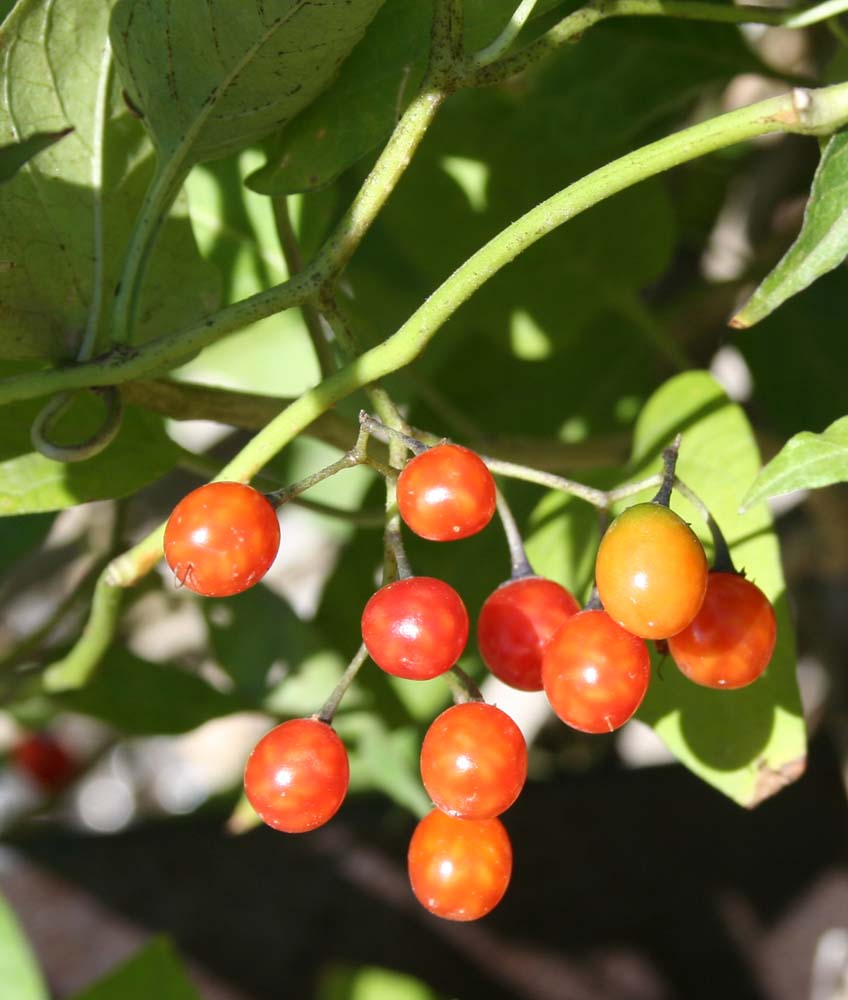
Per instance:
(221,539)
(415,628)
(297,775)
(651,571)
(473,761)
(459,868)
(446,493)
(730,641)
(515,623)
(595,673)
(45,760)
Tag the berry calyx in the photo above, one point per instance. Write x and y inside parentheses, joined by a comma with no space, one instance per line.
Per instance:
(651,571)
(446,493)
(595,672)
(515,623)
(221,539)
(415,628)
(296,776)
(730,642)
(473,761)
(459,868)
(45,760)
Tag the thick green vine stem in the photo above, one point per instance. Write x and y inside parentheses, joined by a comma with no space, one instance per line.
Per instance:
(801,111)
(74,670)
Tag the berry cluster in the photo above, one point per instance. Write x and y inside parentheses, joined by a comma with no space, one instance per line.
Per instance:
(652,583)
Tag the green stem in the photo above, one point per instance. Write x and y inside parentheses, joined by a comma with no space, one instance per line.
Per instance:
(494,50)
(810,112)
(154,210)
(74,670)
(331,705)
(806,112)
(519,563)
(294,264)
(570,28)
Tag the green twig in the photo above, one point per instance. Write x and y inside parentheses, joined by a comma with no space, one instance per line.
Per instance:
(294,264)
(331,705)
(570,28)
(494,50)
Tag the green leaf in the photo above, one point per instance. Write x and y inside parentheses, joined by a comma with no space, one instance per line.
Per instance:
(66,216)
(15,154)
(228,73)
(29,482)
(140,698)
(359,110)
(19,972)
(371,982)
(373,88)
(746,743)
(821,245)
(156,971)
(806,461)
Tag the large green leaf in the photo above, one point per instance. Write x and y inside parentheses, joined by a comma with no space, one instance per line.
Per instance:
(372,90)
(156,971)
(806,461)
(747,743)
(66,216)
(29,482)
(19,972)
(821,245)
(140,698)
(15,154)
(223,74)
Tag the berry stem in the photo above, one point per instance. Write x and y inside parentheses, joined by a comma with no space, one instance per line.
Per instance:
(207,468)
(388,434)
(462,687)
(358,455)
(520,564)
(722,560)
(330,706)
(594,603)
(598,498)
(669,457)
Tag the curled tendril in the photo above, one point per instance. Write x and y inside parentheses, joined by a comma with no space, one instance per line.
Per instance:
(93,445)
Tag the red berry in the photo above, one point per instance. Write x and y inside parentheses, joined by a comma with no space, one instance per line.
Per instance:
(221,539)
(459,868)
(297,775)
(446,493)
(651,571)
(595,673)
(415,628)
(45,760)
(730,641)
(516,622)
(473,761)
